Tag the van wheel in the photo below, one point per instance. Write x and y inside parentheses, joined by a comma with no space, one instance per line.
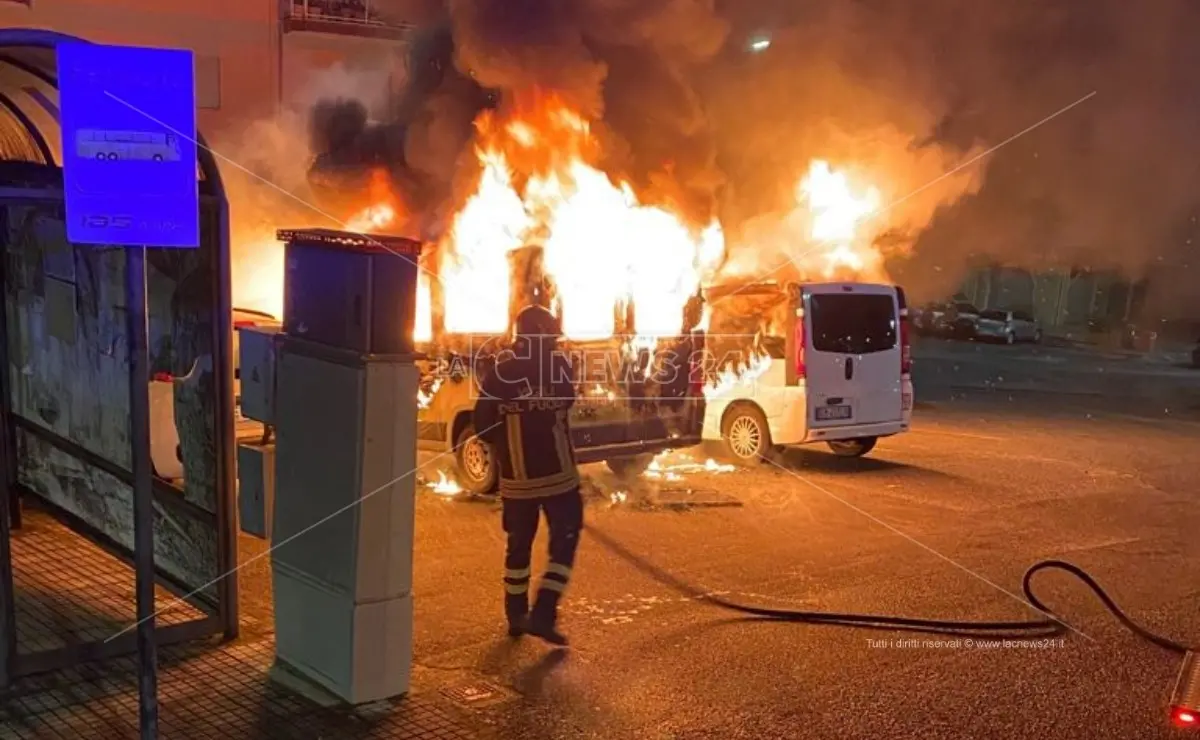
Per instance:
(628,468)
(746,434)
(852,447)
(476,462)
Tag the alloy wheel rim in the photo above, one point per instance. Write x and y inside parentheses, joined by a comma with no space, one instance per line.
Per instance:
(745,437)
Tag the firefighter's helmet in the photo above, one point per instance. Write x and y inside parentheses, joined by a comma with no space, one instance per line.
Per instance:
(534,322)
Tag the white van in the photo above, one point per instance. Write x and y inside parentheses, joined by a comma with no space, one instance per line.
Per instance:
(819,362)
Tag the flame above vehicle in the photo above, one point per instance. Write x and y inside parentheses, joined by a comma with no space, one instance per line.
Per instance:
(837,213)
(828,232)
(540,183)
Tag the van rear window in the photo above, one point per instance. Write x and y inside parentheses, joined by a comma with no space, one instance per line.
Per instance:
(853,324)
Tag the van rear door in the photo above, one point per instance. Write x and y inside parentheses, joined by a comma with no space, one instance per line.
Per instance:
(853,355)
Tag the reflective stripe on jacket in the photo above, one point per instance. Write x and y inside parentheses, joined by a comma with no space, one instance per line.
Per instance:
(523,413)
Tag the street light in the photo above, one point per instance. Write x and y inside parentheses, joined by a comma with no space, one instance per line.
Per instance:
(759,44)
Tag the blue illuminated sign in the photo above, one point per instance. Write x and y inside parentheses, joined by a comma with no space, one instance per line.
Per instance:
(129,145)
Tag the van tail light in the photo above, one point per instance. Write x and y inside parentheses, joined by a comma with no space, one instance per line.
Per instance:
(905,344)
(244,323)
(801,370)
(696,366)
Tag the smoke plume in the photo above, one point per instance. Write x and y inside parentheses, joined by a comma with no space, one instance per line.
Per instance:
(265,167)
(1110,185)
(901,95)
(625,65)
(1107,185)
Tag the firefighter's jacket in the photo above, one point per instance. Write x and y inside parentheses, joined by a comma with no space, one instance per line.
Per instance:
(522,412)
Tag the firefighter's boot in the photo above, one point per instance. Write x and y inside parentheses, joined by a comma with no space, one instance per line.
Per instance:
(516,610)
(543,619)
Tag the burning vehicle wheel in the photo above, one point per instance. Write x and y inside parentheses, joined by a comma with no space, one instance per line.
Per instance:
(476,464)
(746,434)
(628,468)
(852,447)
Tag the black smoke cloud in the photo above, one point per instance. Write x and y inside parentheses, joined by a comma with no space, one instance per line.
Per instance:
(624,63)
(419,142)
(628,63)
(692,117)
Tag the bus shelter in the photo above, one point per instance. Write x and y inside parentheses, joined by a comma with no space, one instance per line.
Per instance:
(66,533)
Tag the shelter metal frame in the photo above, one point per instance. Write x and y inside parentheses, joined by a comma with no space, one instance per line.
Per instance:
(29,50)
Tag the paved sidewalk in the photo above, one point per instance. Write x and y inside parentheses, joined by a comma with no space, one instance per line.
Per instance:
(206,690)
(217,692)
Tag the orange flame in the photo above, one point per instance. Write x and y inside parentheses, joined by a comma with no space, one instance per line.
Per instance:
(540,184)
(837,214)
(741,375)
(444,485)
(384,212)
(828,233)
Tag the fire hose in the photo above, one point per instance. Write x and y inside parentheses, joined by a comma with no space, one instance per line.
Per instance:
(1185,702)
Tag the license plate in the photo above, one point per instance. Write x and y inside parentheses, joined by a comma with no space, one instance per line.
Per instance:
(826,413)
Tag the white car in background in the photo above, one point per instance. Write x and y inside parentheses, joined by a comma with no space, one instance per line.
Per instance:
(165,453)
(838,367)
(1009,327)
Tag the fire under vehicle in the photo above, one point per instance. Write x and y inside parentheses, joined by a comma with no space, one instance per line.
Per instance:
(814,362)
(635,397)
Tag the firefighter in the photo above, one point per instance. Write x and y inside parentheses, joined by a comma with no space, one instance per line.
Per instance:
(522,413)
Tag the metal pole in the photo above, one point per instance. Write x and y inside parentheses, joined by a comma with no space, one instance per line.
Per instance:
(143,502)
(225,433)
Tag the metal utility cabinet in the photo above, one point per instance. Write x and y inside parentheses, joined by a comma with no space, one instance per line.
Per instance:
(343,519)
(346,431)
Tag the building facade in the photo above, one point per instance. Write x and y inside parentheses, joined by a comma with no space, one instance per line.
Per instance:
(253,57)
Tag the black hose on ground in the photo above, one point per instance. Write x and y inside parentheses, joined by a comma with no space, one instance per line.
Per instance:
(1048,626)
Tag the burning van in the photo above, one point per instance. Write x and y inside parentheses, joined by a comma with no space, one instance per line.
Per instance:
(636,396)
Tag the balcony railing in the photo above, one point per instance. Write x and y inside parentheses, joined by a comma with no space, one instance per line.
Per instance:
(340,16)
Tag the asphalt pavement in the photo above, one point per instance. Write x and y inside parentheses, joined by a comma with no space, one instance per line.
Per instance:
(940,522)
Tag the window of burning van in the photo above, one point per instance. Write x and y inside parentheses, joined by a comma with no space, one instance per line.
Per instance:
(853,323)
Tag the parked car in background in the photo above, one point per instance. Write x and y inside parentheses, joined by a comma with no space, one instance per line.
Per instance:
(925,318)
(1009,327)
(957,320)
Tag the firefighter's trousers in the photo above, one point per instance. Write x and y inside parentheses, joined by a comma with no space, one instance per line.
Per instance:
(564,515)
